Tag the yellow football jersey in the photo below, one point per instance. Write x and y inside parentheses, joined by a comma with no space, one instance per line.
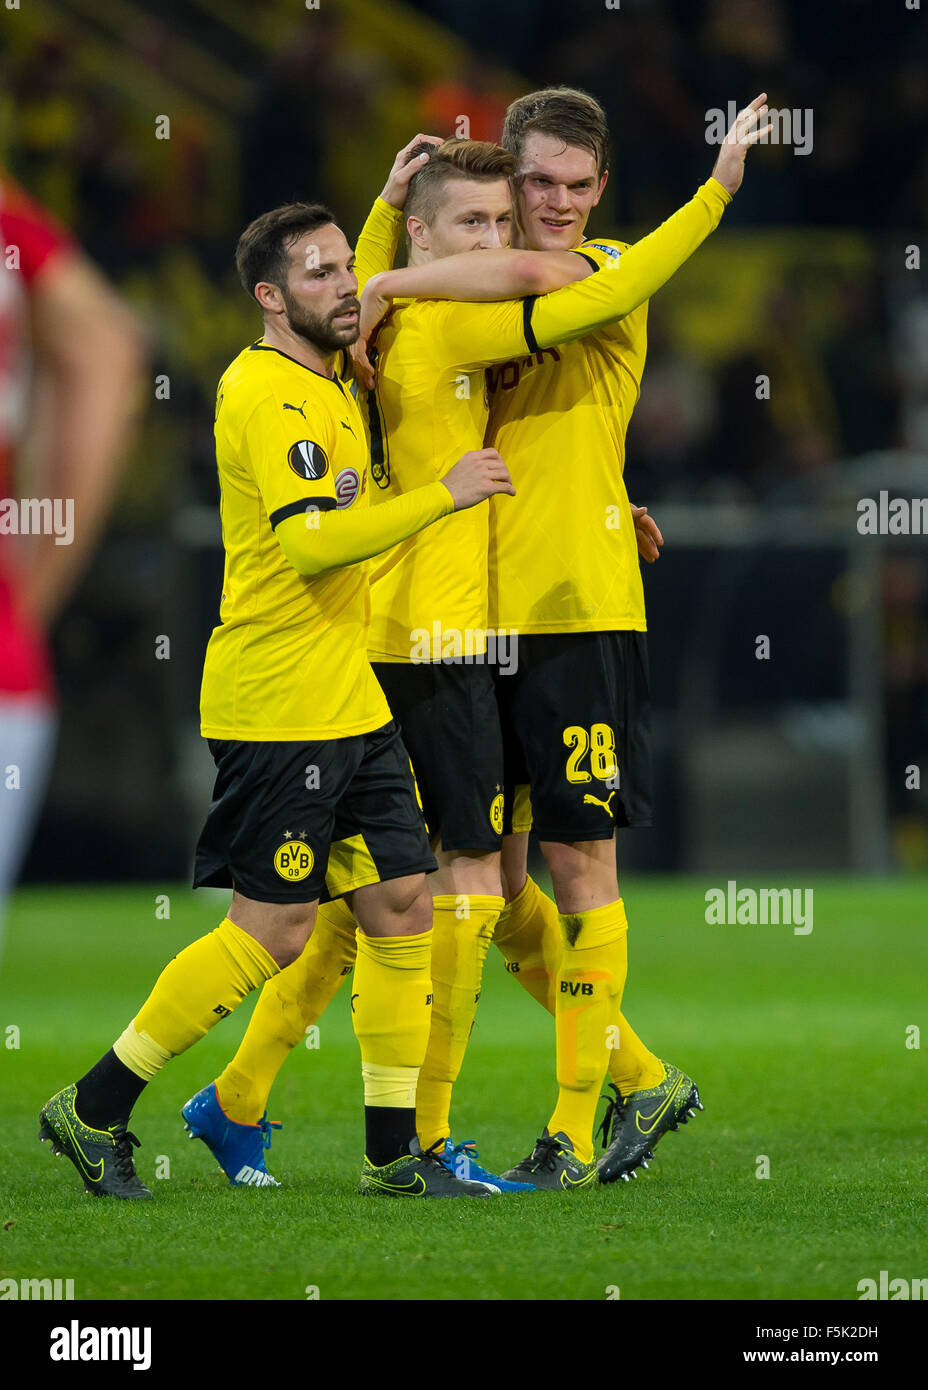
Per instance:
(426,410)
(566,559)
(289,658)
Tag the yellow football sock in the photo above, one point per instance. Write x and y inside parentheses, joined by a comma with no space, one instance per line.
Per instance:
(632,1067)
(462,929)
(391,1005)
(391,1002)
(529,935)
(287,1005)
(193,992)
(590,983)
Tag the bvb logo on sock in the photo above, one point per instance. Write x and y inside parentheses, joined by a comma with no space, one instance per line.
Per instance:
(293,860)
(496,813)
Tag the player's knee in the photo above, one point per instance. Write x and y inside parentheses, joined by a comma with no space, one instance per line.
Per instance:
(420,912)
(405,906)
(466,873)
(289,943)
(580,879)
(565,865)
(283,929)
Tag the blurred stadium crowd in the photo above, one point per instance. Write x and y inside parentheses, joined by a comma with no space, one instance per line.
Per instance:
(808,286)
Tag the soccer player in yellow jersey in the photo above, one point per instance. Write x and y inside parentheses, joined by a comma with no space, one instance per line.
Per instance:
(564,575)
(314,794)
(429,402)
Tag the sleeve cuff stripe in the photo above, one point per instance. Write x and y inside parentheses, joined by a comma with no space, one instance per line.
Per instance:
(528,305)
(305,504)
(589,259)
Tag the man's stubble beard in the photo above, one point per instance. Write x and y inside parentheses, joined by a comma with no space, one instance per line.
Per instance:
(318,329)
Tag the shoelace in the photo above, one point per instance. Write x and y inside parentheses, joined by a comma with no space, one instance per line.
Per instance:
(265,1125)
(124,1141)
(468,1149)
(436,1154)
(615,1109)
(544,1155)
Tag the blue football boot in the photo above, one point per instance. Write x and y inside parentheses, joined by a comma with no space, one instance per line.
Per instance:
(463,1161)
(238,1149)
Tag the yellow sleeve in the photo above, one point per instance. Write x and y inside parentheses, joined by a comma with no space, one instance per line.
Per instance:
(475,334)
(603,253)
(318,537)
(290,463)
(591,304)
(376,246)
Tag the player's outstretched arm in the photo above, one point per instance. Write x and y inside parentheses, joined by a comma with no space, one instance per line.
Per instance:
(482,333)
(507,274)
(319,537)
(647,265)
(487,278)
(476,335)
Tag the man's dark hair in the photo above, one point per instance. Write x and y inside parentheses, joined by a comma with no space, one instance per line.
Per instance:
(564,112)
(263,250)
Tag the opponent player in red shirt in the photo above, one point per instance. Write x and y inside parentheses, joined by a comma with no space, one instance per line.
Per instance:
(70,358)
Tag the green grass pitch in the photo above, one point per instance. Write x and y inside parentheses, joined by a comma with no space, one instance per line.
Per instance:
(798,1044)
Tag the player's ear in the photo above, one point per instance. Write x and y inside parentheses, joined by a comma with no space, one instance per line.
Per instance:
(419,233)
(602,184)
(269,297)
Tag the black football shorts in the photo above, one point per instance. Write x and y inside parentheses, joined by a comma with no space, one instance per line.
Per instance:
(575,716)
(293,822)
(449,722)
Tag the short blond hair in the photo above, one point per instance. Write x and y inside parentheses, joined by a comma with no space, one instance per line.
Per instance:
(455,159)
